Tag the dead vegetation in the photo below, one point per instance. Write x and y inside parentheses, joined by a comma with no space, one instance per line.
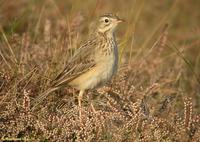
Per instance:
(154,97)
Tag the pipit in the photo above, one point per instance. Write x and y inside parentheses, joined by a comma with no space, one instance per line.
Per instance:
(93,64)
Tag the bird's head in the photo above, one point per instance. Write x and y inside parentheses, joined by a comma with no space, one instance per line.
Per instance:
(108,23)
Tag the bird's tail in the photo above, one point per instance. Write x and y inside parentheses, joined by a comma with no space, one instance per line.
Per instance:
(42,96)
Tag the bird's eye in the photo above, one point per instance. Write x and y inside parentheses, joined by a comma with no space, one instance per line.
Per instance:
(106,20)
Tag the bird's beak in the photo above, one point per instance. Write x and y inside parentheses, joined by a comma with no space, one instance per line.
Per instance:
(120,20)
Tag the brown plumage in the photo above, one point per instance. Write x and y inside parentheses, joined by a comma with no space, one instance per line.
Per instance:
(93,64)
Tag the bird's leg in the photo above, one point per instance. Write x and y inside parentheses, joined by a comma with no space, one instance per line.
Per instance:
(79,103)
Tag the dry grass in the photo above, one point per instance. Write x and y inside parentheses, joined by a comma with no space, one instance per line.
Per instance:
(154,96)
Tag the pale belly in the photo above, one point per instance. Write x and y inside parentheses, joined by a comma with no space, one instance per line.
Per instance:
(97,76)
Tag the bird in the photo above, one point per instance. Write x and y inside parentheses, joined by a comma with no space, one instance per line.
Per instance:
(93,64)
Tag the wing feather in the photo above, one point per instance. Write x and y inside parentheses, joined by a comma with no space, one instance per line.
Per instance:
(79,63)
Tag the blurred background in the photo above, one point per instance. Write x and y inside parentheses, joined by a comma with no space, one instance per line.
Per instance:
(143,18)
